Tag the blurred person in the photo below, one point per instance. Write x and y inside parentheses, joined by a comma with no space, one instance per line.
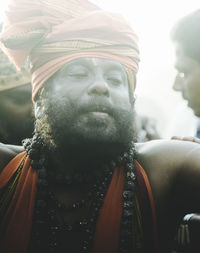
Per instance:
(16,120)
(78,185)
(186,39)
(146,129)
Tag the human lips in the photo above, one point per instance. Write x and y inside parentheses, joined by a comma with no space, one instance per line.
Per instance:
(100,112)
(99,109)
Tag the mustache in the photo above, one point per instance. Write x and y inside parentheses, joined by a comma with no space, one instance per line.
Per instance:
(100,105)
(72,108)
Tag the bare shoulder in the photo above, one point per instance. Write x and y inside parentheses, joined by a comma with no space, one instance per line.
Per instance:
(7,153)
(174,153)
(163,160)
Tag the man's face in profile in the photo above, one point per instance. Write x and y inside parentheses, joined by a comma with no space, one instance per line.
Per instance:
(87,102)
(16,114)
(188,79)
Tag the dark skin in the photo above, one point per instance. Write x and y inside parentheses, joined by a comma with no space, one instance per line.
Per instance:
(173,167)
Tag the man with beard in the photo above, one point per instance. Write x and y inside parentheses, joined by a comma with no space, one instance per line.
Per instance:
(79,185)
(16,121)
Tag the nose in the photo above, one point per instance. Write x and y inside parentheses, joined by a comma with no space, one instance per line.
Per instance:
(178,83)
(99,87)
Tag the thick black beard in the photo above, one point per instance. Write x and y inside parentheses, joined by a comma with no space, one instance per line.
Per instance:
(58,131)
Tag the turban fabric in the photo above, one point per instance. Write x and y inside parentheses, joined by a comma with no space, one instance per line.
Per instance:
(51,33)
(10,78)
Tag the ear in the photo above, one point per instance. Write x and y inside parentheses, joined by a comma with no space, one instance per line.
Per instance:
(38,104)
(38,109)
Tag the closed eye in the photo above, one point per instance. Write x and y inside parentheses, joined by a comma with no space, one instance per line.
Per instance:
(114,81)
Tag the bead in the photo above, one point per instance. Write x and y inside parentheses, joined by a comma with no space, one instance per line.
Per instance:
(128,213)
(91,219)
(40,223)
(68,227)
(129,166)
(127,195)
(120,159)
(52,217)
(42,182)
(83,222)
(88,231)
(53,244)
(128,204)
(131,175)
(123,241)
(130,185)
(125,222)
(85,243)
(125,154)
(113,164)
(54,228)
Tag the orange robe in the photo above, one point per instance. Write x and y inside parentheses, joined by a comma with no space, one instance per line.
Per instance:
(17,199)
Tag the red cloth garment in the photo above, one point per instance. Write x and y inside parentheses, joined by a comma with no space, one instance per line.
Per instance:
(147,207)
(106,238)
(108,226)
(54,32)
(15,228)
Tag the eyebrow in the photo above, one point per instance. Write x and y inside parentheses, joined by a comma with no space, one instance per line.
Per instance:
(109,66)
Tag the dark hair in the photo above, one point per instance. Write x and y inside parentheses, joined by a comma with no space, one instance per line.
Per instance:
(187,32)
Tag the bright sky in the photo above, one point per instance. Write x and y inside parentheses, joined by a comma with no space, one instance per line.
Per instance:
(152,20)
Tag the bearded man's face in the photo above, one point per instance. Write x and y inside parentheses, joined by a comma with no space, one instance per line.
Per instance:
(86,106)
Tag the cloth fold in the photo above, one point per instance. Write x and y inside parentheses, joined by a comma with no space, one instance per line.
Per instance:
(15,228)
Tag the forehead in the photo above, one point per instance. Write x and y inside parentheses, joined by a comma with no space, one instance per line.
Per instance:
(182,61)
(96,62)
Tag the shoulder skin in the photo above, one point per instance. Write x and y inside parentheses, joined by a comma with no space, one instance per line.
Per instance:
(7,153)
(173,169)
(171,165)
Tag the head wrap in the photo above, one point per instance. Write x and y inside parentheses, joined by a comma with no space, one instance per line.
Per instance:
(54,32)
(9,76)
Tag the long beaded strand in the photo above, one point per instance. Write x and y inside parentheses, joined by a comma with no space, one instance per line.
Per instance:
(42,220)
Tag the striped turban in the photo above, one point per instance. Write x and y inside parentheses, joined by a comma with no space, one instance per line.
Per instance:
(51,33)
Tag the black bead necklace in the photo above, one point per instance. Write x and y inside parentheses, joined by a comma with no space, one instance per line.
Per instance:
(45,220)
